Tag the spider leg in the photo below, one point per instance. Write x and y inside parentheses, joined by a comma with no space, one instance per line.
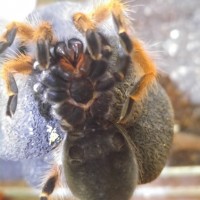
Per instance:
(12,100)
(43,36)
(48,188)
(42,53)
(21,64)
(140,58)
(140,90)
(100,51)
(50,184)
(94,44)
(11,105)
(7,39)
(125,39)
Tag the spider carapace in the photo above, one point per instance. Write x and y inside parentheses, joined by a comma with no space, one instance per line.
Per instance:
(98,79)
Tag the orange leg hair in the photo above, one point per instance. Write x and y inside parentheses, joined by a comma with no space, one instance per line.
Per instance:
(141,58)
(27,33)
(21,64)
(83,22)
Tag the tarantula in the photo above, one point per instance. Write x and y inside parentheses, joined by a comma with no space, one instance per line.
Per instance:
(85,61)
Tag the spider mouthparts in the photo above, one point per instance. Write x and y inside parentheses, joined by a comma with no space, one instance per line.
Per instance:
(76,48)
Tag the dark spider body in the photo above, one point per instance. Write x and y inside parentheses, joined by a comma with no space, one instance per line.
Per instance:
(82,94)
(82,82)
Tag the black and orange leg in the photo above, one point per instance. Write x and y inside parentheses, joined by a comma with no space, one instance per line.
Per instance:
(50,184)
(21,64)
(137,92)
(140,58)
(12,100)
(48,188)
(43,37)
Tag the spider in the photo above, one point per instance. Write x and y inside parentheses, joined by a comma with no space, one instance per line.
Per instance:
(86,62)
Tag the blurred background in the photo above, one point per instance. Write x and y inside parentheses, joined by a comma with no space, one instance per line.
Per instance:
(171,31)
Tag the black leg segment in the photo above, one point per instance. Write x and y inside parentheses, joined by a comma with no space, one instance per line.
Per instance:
(10,36)
(42,53)
(11,105)
(48,187)
(94,44)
